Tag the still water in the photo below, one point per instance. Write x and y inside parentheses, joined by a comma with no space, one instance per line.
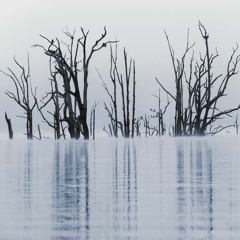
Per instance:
(165,189)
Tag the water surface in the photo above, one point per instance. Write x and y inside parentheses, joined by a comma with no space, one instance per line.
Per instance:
(165,189)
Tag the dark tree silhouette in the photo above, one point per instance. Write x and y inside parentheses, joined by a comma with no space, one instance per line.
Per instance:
(68,65)
(202,89)
(93,120)
(236,124)
(179,69)
(126,83)
(53,96)
(9,124)
(23,95)
(159,113)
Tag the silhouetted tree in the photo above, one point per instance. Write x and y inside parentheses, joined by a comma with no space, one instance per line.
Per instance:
(53,97)
(9,124)
(207,111)
(179,69)
(236,124)
(67,65)
(125,82)
(203,90)
(93,120)
(159,113)
(23,95)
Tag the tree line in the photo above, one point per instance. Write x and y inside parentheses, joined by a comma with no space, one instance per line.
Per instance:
(65,109)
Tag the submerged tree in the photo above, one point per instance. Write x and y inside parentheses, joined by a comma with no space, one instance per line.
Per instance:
(9,124)
(23,95)
(68,66)
(126,83)
(236,124)
(202,90)
(159,113)
(55,97)
(93,120)
(179,69)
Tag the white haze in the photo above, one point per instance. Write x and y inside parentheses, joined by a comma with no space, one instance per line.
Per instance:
(139,26)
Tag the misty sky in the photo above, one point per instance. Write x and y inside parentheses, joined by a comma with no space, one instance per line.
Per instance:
(139,25)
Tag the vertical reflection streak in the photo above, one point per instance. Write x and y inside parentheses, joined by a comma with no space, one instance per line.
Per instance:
(71,193)
(87,209)
(210,182)
(128,186)
(28,178)
(181,191)
(198,156)
(135,191)
(116,224)
(125,191)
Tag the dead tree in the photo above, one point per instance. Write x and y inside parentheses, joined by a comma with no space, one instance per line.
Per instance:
(202,90)
(138,123)
(67,65)
(208,109)
(148,129)
(93,120)
(179,69)
(39,133)
(236,124)
(113,113)
(125,82)
(159,113)
(134,100)
(10,130)
(53,97)
(23,95)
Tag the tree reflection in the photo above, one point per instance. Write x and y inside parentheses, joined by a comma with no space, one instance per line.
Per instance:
(194,201)
(125,191)
(71,191)
(27,186)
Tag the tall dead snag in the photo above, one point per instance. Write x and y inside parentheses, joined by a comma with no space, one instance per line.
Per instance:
(10,131)
(23,95)
(202,90)
(68,65)
(236,124)
(179,69)
(112,109)
(93,120)
(125,85)
(54,97)
(134,100)
(126,82)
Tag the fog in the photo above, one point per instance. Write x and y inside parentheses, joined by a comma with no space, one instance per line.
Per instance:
(139,26)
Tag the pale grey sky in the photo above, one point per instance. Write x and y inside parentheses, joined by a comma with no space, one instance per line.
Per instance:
(139,26)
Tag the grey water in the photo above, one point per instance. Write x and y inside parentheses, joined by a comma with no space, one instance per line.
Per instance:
(148,188)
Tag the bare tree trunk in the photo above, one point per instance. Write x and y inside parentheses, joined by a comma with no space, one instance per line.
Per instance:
(94,121)
(39,132)
(134,99)
(10,131)
(127,75)
(159,113)
(236,124)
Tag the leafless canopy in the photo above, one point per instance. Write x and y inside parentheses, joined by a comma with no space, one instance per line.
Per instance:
(202,88)
(72,67)
(24,95)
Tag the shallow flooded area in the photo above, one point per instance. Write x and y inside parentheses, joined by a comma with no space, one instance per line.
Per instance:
(148,188)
